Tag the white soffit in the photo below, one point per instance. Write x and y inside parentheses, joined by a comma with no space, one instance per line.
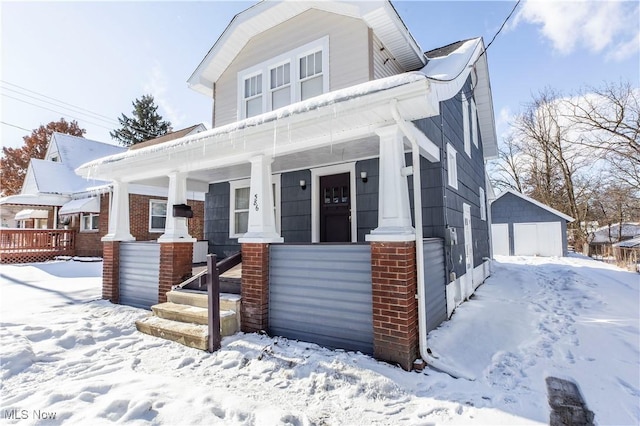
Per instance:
(83,205)
(31,214)
(379,15)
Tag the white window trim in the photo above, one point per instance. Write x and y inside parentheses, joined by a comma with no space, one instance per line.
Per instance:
(483,205)
(474,123)
(151,229)
(246,183)
(452,166)
(291,56)
(91,215)
(268,82)
(315,197)
(465,125)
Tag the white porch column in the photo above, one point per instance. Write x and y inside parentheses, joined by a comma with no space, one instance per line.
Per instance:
(394,214)
(175,229)
(119,229)
(262,219)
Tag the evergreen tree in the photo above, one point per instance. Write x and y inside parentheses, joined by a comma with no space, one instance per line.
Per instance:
(15,161)
(145,124)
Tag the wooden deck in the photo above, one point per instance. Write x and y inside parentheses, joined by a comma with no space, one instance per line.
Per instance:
(35,245)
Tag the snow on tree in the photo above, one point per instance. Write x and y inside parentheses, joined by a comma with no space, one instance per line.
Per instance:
(145,124)
(15,161)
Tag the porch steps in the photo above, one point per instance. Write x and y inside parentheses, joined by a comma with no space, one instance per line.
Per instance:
(183,318)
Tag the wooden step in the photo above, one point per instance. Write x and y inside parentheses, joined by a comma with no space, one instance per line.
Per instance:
(183,313)
(186,333)
(228,302)
(195,315)
(192,335)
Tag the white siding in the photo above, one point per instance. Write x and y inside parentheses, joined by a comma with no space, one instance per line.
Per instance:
(384,65)
(348,55)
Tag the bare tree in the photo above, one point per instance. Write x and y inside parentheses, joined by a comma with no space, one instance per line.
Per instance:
(608,119)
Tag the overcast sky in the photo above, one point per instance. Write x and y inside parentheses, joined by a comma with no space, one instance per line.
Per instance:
(88,61)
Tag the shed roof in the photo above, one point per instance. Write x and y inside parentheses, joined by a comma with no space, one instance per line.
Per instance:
(535,202)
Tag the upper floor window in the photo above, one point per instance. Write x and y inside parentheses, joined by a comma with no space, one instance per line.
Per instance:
(157,215)
(452,166)
(253,95)
(54,158)
(465,125)
(483,205)
(311,75)
(474,123)
(280,85)
(89,222)
(294,76)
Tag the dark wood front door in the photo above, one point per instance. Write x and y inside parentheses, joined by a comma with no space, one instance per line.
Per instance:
(335,208)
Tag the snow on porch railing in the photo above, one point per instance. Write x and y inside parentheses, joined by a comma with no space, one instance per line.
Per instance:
(35,245)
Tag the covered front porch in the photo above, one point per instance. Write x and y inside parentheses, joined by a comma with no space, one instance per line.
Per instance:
(327,136)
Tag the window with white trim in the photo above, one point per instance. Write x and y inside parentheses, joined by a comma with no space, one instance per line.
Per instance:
(280,85)
(452,166)
(89,222)
(483,205)
(311,75)
(252,103)
(239,193)
(293,76)
(474,123)
(465,125)
(157,215)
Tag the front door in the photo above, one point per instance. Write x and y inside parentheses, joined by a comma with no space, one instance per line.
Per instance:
(335,208)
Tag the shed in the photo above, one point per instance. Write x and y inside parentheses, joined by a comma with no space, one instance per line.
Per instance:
(524,226)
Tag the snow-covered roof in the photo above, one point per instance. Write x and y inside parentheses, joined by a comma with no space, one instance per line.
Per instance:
(632,243)
(535,202)
(75,150)
(35,199)
(191,130)
(81,205)
(449,67)
(379,15)
(609,234)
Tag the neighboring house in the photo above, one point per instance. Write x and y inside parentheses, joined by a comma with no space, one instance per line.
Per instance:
(602,239)
(522,226)
(627,253)
(330,124)
(53,197)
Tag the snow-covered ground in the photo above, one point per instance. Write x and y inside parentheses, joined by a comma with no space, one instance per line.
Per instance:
(64,353)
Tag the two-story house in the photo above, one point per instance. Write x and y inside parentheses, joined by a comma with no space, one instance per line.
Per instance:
(330,125)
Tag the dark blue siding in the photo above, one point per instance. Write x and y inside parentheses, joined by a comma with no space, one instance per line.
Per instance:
(216,222)
(296,207)
(367,197)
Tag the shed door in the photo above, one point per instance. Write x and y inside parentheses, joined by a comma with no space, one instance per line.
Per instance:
(500,239)
(537,239)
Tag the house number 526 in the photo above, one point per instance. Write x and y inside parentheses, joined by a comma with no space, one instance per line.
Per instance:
(255,202)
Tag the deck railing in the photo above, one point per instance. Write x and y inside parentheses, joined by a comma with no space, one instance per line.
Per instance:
(35,245)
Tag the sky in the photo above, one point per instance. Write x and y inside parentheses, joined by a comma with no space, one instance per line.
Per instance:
(88,61)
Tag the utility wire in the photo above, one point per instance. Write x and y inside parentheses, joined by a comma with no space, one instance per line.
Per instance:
(13,125)
(502,26)
(137,129)
(108,121)
(53,110)
(56,100)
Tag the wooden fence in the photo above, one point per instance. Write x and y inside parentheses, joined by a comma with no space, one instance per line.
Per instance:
(35,245)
